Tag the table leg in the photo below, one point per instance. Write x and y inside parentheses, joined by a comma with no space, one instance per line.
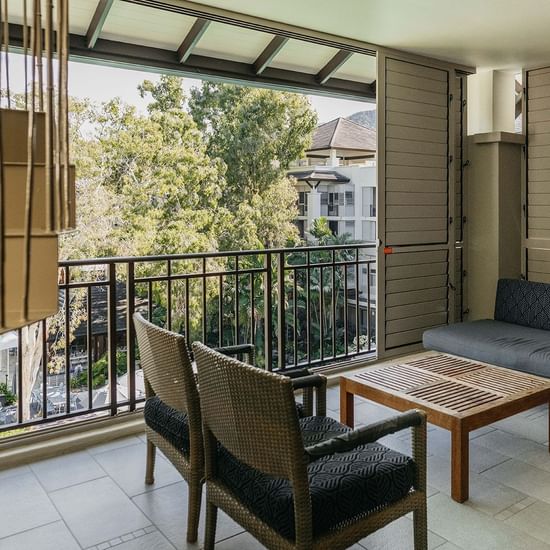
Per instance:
(460,458)
(346,405)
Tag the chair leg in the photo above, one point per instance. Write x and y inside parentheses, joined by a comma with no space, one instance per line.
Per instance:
(210,527)
(150,467)
(420,521)
(194,510)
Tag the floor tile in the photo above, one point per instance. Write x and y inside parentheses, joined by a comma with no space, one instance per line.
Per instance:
(167,509)
(54,536)
(115,444)
(533,520)
(17,471)
(126,465)
(24,505)
(486,495)
(506,443)
(467,528)
(148,541)
(97,511)
(398,535)
(522,477)
(66,470)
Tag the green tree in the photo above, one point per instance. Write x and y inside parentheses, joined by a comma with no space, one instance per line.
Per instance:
(257,133)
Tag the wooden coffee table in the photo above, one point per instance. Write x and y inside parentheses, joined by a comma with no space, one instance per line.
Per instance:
(457,394)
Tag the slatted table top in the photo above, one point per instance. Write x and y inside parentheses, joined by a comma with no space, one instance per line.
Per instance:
(452,385)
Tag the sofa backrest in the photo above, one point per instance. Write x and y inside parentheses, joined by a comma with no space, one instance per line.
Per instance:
(523,303)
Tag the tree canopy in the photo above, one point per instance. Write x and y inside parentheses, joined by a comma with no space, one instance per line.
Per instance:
(197,174)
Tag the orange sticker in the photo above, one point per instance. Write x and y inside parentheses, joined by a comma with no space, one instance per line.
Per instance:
(388,250)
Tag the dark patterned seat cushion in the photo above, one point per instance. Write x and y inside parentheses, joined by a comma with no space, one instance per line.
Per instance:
(523,303)
(343,486)
(167,422)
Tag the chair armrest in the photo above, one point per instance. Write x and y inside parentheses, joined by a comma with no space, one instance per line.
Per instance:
(366,434)
(308,381)
(241,349)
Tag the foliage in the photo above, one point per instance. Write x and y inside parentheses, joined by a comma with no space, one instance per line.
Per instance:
(257,133)
(9,397)
(100,372)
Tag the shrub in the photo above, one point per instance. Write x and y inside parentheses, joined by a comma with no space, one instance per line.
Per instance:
(9,397)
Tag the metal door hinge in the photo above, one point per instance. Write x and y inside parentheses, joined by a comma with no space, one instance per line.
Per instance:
(464,273)
(466,163)
(464,219)
(466,311)
(450,97)
(451,286)
(524,208)
(464,103)
(451,220)
(450,159)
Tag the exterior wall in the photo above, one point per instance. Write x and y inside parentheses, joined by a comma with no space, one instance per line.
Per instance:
(362,214)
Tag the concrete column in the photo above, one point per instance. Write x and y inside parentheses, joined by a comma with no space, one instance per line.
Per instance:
(313,206)
(491,102)
(494,217)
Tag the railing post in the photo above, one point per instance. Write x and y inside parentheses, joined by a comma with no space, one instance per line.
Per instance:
(281,336)
(268,319)
(130,335)
(112,336)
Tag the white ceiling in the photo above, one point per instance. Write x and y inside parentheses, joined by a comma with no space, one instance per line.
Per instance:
(501,34)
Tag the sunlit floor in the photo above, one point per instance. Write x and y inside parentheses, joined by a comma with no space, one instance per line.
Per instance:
(96,499)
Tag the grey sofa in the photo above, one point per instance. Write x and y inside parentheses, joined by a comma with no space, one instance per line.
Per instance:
(518,337)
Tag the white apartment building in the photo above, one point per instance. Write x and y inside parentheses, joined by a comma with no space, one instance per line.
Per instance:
(337,180)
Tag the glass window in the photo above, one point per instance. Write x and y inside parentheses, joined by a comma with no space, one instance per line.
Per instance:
(368,202)
(368,231)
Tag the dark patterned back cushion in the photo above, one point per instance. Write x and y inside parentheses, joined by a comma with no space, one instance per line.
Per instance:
(523,303)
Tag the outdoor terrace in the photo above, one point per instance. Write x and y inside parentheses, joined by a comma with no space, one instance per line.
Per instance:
(97,499)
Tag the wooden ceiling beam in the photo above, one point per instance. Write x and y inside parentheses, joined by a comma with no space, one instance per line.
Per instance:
(98,20)
(270,51)
(333,65)
(193,36)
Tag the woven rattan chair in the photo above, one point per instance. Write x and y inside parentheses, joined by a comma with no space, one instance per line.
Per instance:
(172,409)
(309,483)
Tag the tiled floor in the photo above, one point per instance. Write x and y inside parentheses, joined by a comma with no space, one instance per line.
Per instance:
(96,499)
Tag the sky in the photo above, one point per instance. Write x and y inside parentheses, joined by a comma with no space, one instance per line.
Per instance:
(102,83)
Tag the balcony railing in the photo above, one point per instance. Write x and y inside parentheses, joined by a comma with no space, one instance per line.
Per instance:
(299,306)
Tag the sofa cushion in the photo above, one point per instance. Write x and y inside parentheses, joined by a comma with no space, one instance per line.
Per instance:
(504,344)
(523,303)
(167,422)
(343,486)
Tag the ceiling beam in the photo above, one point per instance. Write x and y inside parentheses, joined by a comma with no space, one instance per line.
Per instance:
(159,60)
(98,20)
(333,65)
(193,36)
(270,51)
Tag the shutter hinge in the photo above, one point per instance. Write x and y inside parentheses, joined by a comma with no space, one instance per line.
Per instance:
(450,220)
(464,219)
(464,103)
(524,208)
(524,149)
(450,97)
(466,163)
(464,273)
(450,159)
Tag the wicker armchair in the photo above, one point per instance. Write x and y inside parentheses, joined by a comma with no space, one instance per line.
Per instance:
(172,408)
(309,483)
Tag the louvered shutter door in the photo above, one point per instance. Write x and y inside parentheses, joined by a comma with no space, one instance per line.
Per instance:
(537,175)
(418,244)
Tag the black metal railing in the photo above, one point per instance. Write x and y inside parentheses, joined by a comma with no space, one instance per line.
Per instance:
(299,306)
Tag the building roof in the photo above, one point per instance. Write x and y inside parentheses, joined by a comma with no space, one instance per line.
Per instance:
(344,135)
(320,175)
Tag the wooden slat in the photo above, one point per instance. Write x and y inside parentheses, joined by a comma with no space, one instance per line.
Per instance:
(416,70)
(415,82)
(402,131)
